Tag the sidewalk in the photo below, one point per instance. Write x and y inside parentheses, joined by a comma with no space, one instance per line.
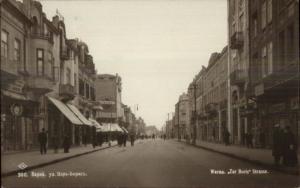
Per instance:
(10,162)
(261,157)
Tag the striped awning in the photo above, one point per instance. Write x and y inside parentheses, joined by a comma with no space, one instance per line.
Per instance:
(66,111)
(79,115)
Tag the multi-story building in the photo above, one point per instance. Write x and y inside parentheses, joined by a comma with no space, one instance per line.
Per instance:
(183,116)
(196,109)
(274,62)
(238,69)
(17,119)
(215,97)
(108,94)
(41,71)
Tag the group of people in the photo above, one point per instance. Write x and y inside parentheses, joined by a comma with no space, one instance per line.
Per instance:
(122,139)
(43,139)
(284,146)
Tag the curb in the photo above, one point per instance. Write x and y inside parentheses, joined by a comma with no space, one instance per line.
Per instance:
(282,170)
(14,172)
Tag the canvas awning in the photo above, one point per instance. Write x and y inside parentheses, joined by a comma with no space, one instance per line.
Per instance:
(111,127)
(79,115)
(66,111)
(95,123)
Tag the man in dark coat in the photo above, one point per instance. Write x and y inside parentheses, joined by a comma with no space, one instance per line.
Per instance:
(277,149)
(124,139)
(66,144)
(42,137)
(132,139)
(226,137)
(289,148)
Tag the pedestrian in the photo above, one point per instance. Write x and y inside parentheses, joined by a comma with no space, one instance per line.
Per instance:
(66,144)
(250,139)
(289,148)
(277,150)
(165,137)
(124,139)
(132,139)
(214,134)
(42,137)
(226,137)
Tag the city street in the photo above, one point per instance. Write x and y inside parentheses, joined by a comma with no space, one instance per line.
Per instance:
(152,163)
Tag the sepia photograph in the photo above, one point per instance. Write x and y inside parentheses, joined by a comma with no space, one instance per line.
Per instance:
(150,94)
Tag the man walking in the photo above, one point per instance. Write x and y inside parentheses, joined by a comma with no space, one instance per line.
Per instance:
(42,137)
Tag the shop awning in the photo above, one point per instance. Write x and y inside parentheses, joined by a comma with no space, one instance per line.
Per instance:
(79,115)
(66,111)
(14,95)
(111,127)
(95,123)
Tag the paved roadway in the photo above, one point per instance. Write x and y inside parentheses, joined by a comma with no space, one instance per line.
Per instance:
(152,163)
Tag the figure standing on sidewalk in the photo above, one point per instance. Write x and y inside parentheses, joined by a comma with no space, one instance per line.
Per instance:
(66,144)
(124,139)
(132,139)
(277,150)
(289,148)
(226,136)
(43,141)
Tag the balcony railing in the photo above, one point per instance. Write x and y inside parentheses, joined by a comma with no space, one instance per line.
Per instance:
(238,77)
(236,40)
(43,36)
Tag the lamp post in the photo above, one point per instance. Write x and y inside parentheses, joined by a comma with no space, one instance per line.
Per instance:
(194,87)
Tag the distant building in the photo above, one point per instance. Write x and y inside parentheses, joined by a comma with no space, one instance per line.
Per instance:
(109,95)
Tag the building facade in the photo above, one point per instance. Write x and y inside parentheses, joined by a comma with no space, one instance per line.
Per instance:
(274,73)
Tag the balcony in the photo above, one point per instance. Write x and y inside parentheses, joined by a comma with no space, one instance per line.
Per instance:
(236,40)
(64,54)
(42,36)
(67,92)
(238,77)
(40,84)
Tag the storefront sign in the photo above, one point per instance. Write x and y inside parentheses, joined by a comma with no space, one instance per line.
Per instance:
(106,102)
(16,109)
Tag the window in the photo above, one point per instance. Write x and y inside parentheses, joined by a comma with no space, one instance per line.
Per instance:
(40,61)
(270,57)
(281,48)
(4,44)
(51,65)
(17,50)
(254,24)
(270,11)
(241,5)
(291,41)
(233,29)
(75,81)
(87,90)
(264,61)
(81,87)
(68,75)
(263,15)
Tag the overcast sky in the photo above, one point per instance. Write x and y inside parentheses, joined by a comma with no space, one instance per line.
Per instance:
(156,46)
